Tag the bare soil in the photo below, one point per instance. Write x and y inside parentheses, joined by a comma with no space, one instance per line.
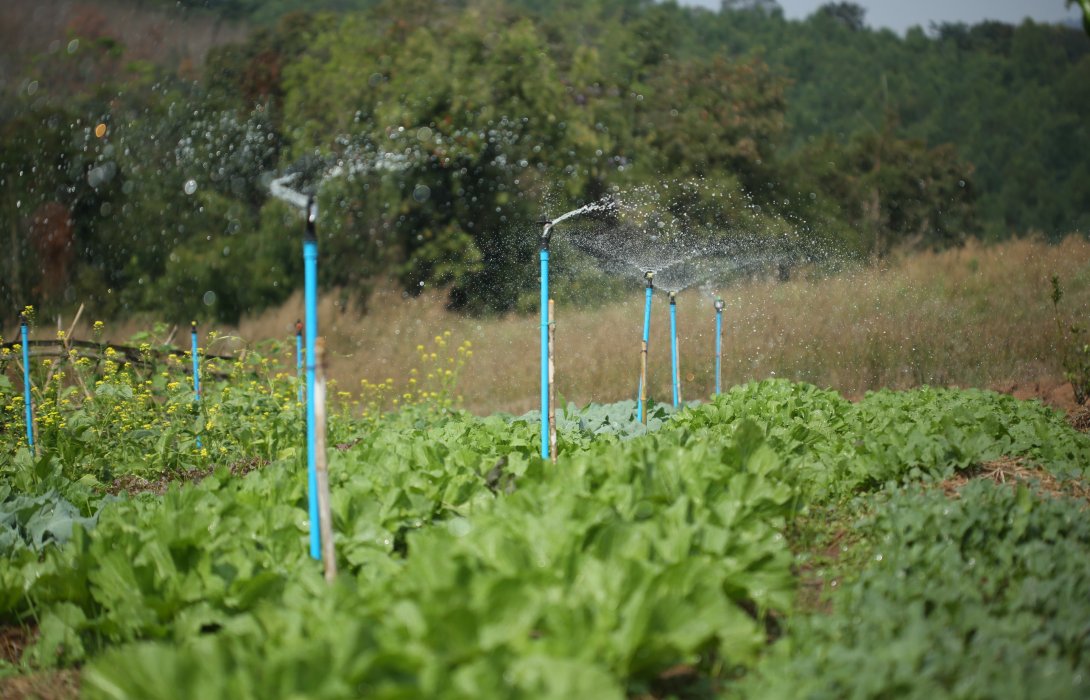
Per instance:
(43,685)
(1049,391)
(132,484)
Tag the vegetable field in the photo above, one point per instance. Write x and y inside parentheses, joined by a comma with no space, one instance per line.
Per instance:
(777,541)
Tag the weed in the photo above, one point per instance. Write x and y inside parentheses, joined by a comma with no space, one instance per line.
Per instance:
(1074,347)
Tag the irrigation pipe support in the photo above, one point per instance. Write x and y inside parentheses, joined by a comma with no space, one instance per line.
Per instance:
(673,349)
(310,294)
(27,399)
(718,345)
(196,357)
(650,277)
(547,227)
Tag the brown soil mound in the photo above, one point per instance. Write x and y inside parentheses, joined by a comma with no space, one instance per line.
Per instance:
(1051,392)
(1015,470)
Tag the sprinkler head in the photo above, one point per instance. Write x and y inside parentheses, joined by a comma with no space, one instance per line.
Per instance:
(193,326)
(650,277)
(673,297)
(312,216)
(719,304)
(23,319)
(298,327)
(546,231)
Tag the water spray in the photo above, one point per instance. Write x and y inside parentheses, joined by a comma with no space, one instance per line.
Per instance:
(196,373)
(604,206)
(546,233)
(29,410)
(673,349)
(718,344)
(299,357)
(310,296)
(650,277)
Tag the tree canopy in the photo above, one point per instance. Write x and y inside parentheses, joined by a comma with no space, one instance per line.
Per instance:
(440,130)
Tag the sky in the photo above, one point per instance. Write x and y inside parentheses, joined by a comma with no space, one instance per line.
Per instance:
(899,15)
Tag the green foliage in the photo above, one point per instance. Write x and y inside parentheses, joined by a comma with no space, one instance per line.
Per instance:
(1074,347)
(455,125)
(471,568)
(976,596)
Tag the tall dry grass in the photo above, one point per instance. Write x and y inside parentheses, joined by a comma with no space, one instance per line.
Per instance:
(977,316)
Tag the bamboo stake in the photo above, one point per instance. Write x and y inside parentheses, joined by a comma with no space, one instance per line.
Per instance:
(552,385)
(643,379)
(680,400)
(325,516)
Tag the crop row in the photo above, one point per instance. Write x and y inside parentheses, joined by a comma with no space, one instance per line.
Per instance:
(471,568)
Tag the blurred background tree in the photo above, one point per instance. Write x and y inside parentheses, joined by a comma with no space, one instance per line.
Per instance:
(134,173)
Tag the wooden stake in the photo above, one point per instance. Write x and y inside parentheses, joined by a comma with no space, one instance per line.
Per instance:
(552,385)
(680,401)
(643,379)
(325,515)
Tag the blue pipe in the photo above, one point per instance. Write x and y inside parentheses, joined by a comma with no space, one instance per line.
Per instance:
(718,345)
(310,294)
(545,347)
(196,371)
(299,357)
(646,339)
(673,346)
(26,383)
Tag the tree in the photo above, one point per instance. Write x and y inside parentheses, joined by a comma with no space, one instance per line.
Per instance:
(1083,5)
(847,14)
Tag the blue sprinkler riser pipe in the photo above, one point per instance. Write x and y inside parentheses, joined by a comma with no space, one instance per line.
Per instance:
(544,353)
(26,384)
(673,347)
(646,339)
(299,357)
(718,350)
(196,372)
(310,293)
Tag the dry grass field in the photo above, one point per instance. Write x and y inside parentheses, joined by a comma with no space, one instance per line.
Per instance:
(978,316)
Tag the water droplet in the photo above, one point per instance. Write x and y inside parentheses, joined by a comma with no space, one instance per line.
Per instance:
(209,298)
(73,46)
(421,193)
